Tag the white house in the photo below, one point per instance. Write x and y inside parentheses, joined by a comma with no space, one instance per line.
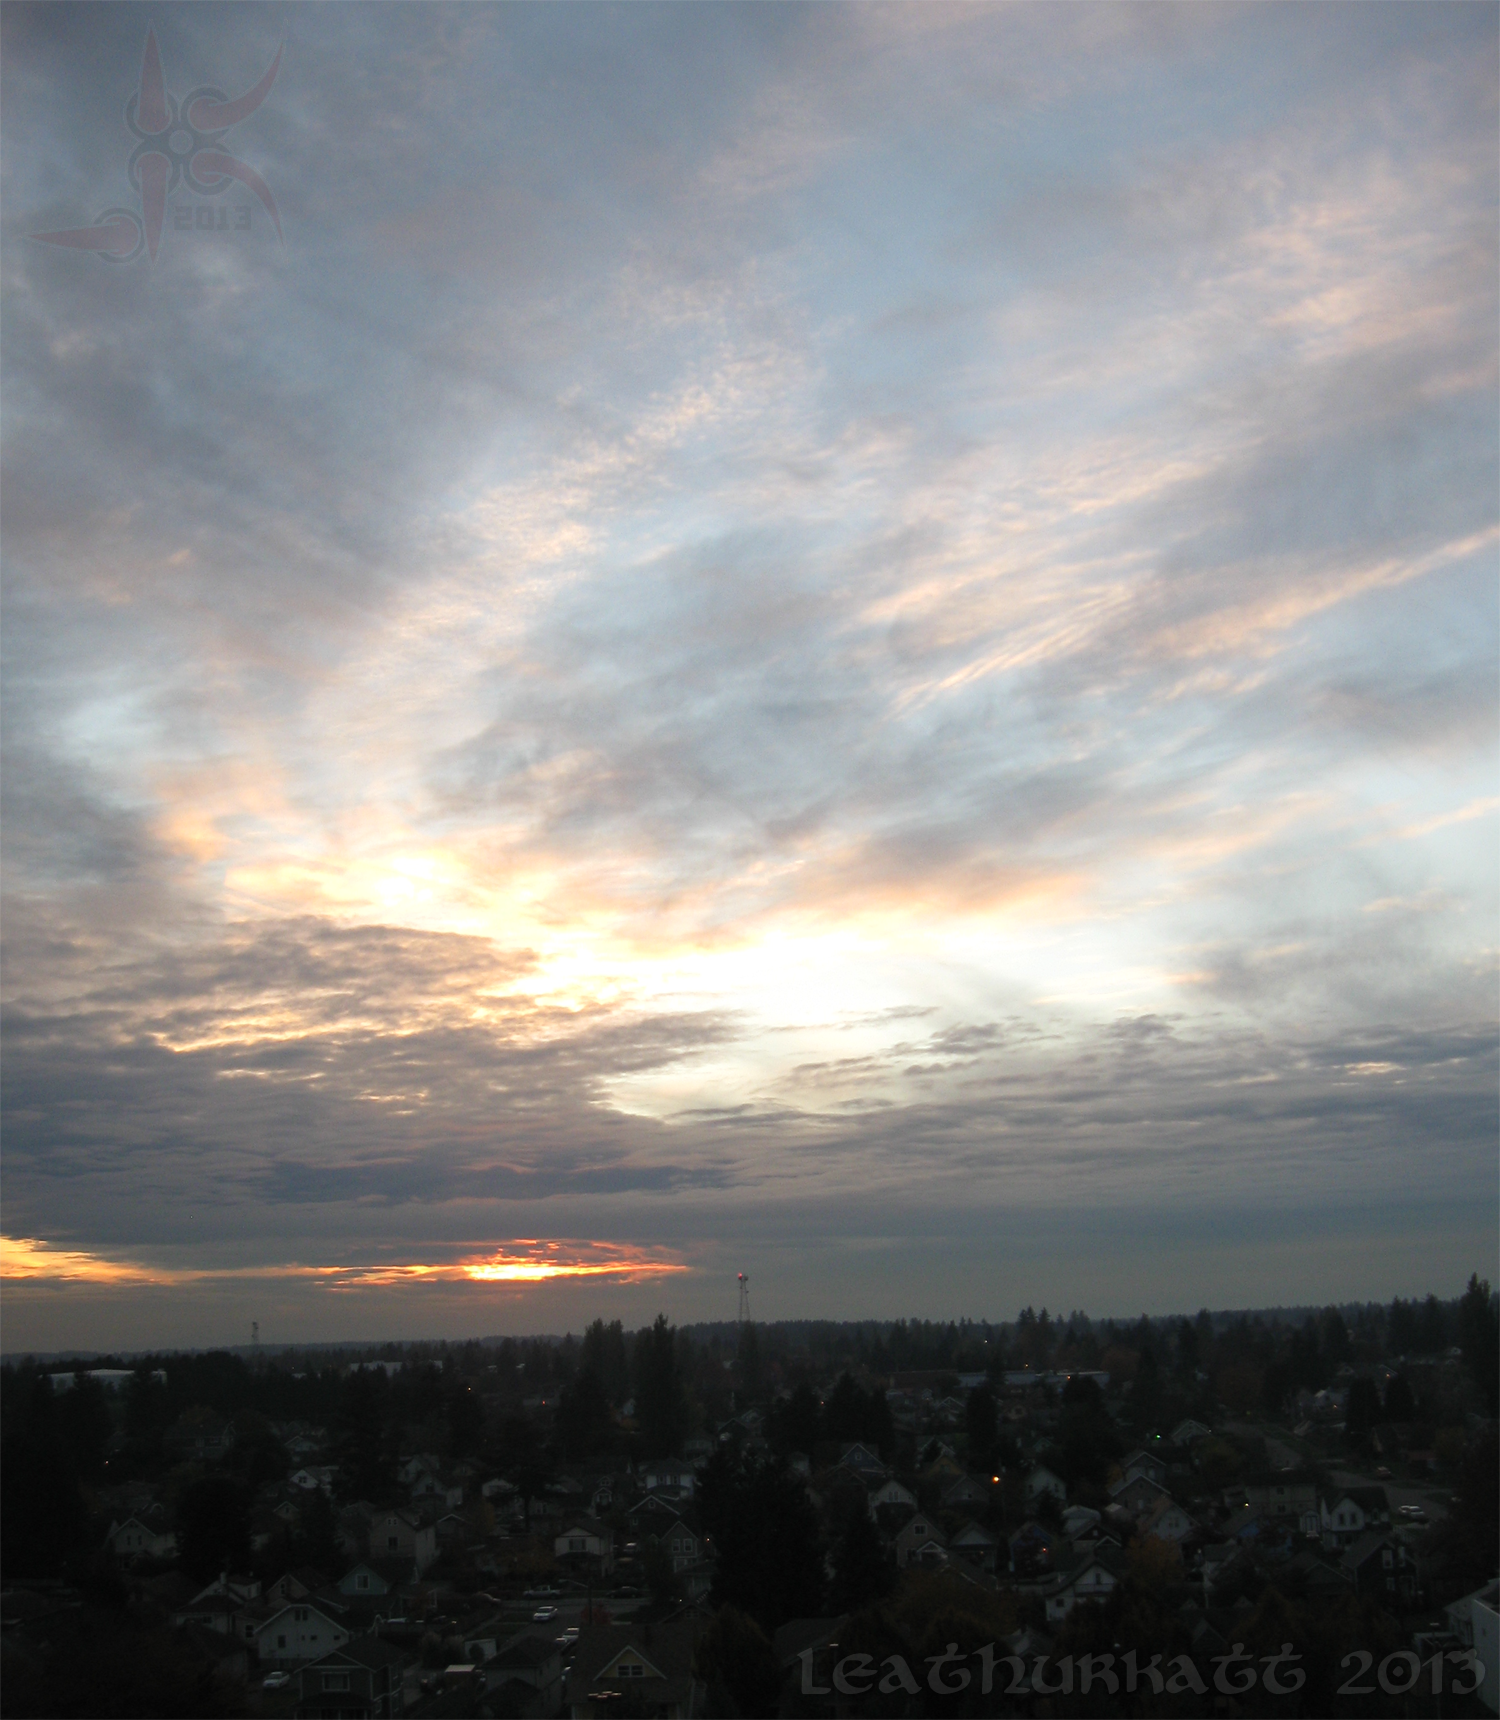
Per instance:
(1092,1580)
(134,1539)
(1475,1621)
(891,1492)
(1041,1480)
(1345,1516)
(298,1632)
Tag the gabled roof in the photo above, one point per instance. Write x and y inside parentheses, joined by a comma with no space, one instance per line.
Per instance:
(371,1652)
(1369,1499)
(667,1648)
(1365,1548)
(528,1651)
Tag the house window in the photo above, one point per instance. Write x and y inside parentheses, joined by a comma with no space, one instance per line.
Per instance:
(392,1544)
(281,1642)
(335,1680)
(575,1545)
(300,1614)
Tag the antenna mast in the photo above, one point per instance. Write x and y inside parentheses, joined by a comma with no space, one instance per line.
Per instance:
(744,1299)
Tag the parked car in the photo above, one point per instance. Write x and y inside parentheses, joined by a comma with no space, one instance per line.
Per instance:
(541,1594)
(544,1615)
(1414,1513)
(276,1681)
(1382,1474)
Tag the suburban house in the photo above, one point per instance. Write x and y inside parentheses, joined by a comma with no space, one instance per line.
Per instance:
(134,1539)
(1286,1493)
(1145,1463)
(1187,1433)
(295,1584)
(668,1478)
(977,1545)
(372,1579)
(296,1633)
(1379,1566)
(1345,1516)
(1040,1480)
(966,1493)
(360,1681)
(1138,1495)
(396,1535)
(649,1516)
(921,1542)
(585,1540)
(1093,1578)
(864,1462)
(684,1541)
(648,1669)
(528,1671)
(1031,1549)
(1167,1520)
(890,1492)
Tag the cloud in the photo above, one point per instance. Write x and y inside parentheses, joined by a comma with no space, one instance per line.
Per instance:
(863,646)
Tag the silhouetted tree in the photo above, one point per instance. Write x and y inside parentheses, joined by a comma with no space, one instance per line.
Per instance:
(766,1532)
(1479,1337)
(213,1527)
(735,1653)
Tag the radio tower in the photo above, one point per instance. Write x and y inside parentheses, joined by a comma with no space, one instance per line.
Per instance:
(744,1299)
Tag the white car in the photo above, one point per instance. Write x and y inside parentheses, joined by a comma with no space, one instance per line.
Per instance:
(544,1615)
(276,1681)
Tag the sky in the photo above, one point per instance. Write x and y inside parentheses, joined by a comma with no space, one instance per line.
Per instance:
(852,643)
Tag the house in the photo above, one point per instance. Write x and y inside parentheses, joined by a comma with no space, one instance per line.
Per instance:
(585,1541)
(965,1494)
(920,1542)
(1079,1520)
(1283,1493)
(1031,1549)
(1344,1516)
(373,1579)
(134,1539)
(359,1681)
(865,1463)
(669,1478)
(648,1669)
(1475,1621)
(396,1534)
(312,1479)
(1138,1495)
(530,1669)
(293,1585)
(1167,1521)
(1040,1480)
(891,1492)
(296,1633)
(1379,1566)
(977,1545)
(1140,1462)
(649,1516)
(684,1541)
(1092,1579)
(1188,1433)
(226,1615)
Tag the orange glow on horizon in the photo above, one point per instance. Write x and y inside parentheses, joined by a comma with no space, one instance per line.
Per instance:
(27,1258)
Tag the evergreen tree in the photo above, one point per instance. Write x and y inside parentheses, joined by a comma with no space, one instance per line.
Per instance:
(1479,1337)
(766,1533)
